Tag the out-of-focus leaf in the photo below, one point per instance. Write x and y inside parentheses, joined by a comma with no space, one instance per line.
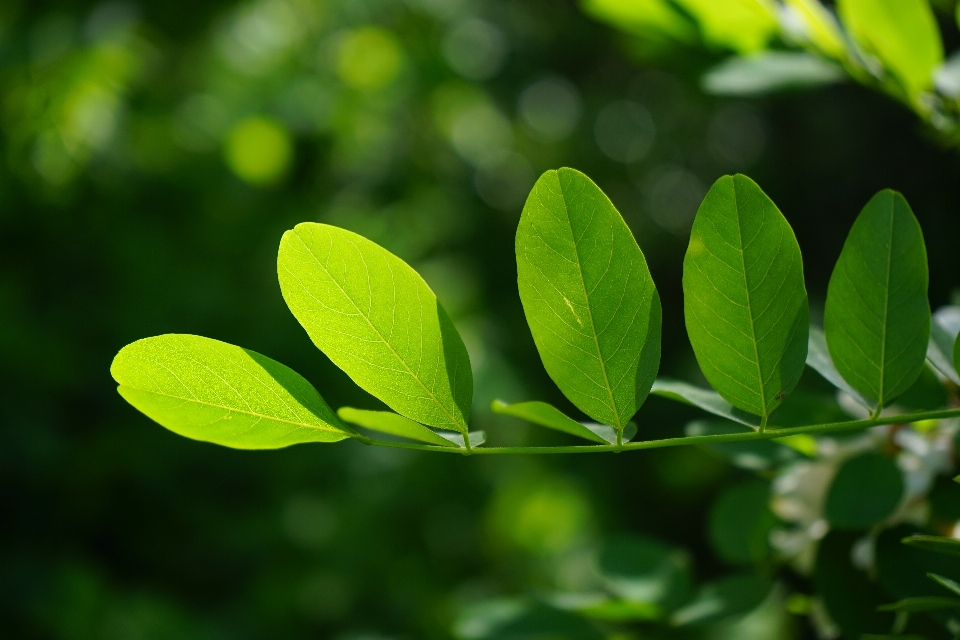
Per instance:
(520,620)
(601,607)
(947,76)
(392,423)
(903,569)
(819,28)
(740,523)
(943,335)
(744,299)
(722,599)
(951,585)
(866,489)
(849,595)
(705,399)
(743,26)
(477,438)
(902,34)
(209,390)
(587,293)
(376,319)
(922,603)
(759,455)
(818,358)
(643,18)
(926,394)
(546,415)
(769,72)
(643,570)
(908,636)
(937,544)
(877,317)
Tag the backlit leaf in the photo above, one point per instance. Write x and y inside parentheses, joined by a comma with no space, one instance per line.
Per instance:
(209,390)
(591,304)
(877,317)
(376,319)
(744,299)
(546,415)
(744,26)
(902,34)
(392,423)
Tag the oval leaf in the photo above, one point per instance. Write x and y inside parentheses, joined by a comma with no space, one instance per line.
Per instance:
(818,358)
(877,317)
(546,415)
(209,390)
(376,319)
(587,293)
(744,299)
(865,491)
(392,423)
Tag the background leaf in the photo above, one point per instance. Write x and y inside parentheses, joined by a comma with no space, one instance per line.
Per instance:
(376,319)
(866,489)
(641,569)
(877,317)
(903,34)
(546,415)
(937,544)
(744,299)
(723,598)
(209,390)
(943,336)
(818,358)
(705,399)
(740,523)
(587,293)
(769,72)
(392,423)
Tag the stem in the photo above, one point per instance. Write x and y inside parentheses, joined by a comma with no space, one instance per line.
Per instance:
(747,436)
(763,424)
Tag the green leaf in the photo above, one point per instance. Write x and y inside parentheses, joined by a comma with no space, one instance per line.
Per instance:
(724,598)
(477,438)
(744,299)
(922,603)
(392,423)
(902,34)
(937,544)
(591,304)
(946,583)
(943,336)
(769,72)
(758,455)
(705,399)
(866,489)
(546,415)
(740,523)
(376,319)
(744,26)
(209,390)
(877,317)
(818,358)
(599,607)
(849,594)
(514,619)
(819,27)
(639,569)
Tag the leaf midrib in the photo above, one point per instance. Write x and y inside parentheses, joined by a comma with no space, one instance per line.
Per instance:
(886,309)
(746,286)
(433,397)
(593,326)
(254,414)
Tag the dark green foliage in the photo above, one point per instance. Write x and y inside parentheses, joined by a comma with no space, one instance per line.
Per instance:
(866,489)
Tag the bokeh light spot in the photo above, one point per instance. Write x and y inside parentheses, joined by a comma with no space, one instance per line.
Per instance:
(259,150)
(551,108)
(369,58)
(475,49)
(625,131)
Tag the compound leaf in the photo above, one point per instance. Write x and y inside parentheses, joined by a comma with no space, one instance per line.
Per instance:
(877,317)
(209,390)
(392,423)
(546,415)
(587,293)
(376,319)
(818,358)
(902,34)
(744,299)
(705,399)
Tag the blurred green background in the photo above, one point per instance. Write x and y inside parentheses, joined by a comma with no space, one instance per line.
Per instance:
(153,154)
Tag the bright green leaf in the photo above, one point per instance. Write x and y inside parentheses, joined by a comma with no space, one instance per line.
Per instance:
(902,34)
(818,358)
(705,399)
(643,17)
(866,489)
(744,26)
(744,299)
(877,317)
(937,544)
(819,27)
(376,319)
(209,390)
(392,423)
(769,72)
(546,415)
(943,336)
(600,607)
(922,603)
(587,293)
(946,583)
